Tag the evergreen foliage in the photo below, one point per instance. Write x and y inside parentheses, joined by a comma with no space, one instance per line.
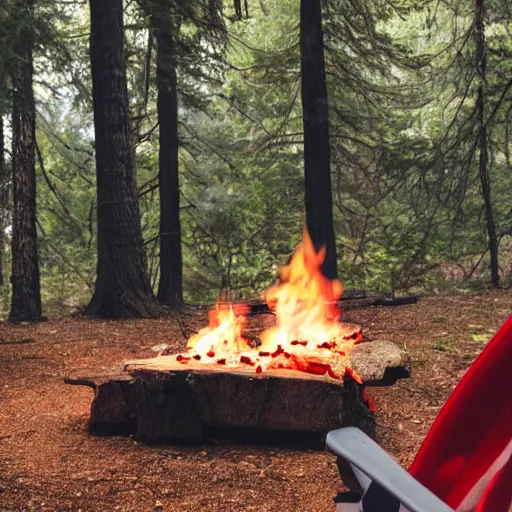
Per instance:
(403,85)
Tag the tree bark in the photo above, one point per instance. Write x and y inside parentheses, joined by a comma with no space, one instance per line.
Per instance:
(170,287)
(318,195)
(483,165)
(26,293)
(122,286)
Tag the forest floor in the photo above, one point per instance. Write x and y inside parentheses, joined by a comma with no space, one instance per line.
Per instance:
(48,462)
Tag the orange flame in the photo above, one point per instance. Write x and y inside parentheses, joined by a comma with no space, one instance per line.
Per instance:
(305,302)
(223,335)
(308,335)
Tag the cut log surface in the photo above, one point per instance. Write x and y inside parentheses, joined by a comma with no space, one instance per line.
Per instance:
(161,399)
(371,360)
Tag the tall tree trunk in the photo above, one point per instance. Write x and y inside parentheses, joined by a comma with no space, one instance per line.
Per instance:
(170,287)
(3,200)
(483,167)
(122,285)
(26,292)
(318,195)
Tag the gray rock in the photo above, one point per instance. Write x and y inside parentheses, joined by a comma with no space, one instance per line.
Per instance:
(379,362)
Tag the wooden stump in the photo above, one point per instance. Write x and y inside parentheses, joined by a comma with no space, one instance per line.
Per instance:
(187,402)
(113,409)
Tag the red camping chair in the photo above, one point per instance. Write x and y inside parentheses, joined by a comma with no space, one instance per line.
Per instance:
(464,463)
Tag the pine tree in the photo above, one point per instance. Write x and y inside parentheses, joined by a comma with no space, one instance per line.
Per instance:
(315,114)
(122,287)
(26,294)
(4,197)
(170,286)
(483,164)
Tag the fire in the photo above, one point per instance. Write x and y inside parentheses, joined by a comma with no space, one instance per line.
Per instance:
(305,301)
(308,335)
(224,331)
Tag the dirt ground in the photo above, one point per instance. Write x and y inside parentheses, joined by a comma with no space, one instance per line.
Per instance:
(48,462)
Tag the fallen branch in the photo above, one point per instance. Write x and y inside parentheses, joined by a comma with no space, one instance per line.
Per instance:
(17,342)
(351,300)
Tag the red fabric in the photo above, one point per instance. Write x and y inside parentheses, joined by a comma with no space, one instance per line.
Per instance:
(473,427)
(498,494)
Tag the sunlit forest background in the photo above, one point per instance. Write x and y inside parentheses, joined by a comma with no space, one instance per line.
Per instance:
(409,193)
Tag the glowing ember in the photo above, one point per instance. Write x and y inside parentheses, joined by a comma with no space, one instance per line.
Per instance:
(308,335)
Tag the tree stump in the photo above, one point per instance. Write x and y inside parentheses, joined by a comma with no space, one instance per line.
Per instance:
(156,402)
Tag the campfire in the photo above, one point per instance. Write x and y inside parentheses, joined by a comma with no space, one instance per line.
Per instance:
(308,335)
(304,374)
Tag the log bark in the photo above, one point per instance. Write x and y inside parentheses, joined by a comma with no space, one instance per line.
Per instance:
(26,292)
(114,405)
(189,406)
(189,403)
(122,286)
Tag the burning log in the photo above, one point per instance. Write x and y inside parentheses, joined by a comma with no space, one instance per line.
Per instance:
(162,399)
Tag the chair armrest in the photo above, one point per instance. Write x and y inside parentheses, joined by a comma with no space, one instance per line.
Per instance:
(360,450)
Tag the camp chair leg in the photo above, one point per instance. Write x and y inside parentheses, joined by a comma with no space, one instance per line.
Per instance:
(389,479)
(354,479)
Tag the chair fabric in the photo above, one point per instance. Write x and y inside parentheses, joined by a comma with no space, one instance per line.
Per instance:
(466,458)
(474,427)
